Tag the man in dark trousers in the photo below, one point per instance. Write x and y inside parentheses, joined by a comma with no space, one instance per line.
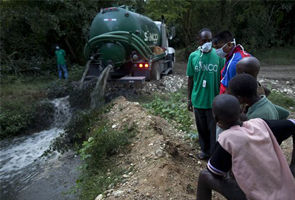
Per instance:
(251,151)
(61,63)
(203,71)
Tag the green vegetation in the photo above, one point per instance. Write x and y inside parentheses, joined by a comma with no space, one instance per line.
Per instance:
(172,107)
(96,142)
(19,100)
(20,97)
(276,56)
(255,24)
(95,182)
(28,41)
(99,170)
(17,120)
(282,99)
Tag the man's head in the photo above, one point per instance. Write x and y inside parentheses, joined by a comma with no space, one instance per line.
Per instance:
(205,35)
(244,87)
(226,110)
(205,38)
(57,47)
(223,42)
(248,65)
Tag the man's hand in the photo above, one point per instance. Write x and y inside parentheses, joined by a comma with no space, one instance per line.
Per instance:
(190,106)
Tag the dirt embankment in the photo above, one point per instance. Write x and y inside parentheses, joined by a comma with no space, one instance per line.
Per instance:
(162,162)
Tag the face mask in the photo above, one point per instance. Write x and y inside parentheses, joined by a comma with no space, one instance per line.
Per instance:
(220,51)
(206,47)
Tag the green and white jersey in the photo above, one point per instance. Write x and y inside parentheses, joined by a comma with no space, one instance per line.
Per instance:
(60,55)
(205,68)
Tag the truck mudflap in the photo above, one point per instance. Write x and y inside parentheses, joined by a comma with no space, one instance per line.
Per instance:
(132,79)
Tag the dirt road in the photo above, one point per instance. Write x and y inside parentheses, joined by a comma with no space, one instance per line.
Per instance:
(276,72)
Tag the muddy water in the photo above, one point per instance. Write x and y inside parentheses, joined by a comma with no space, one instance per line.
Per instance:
(21,161)
(97,96)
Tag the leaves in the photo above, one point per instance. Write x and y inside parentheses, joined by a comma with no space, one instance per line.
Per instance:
(174,109)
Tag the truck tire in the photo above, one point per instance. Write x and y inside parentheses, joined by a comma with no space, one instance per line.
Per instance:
(155,72)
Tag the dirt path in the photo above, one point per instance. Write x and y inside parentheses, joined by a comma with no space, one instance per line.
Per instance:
(275,72)
(278,72)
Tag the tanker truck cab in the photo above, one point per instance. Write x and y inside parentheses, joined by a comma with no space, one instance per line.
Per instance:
(135,46)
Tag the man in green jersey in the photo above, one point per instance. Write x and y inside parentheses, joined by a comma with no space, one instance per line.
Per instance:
(244,87)
(203,71)
(61,63)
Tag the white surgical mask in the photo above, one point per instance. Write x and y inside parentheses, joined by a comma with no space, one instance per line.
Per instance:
(220,51)
(206,47)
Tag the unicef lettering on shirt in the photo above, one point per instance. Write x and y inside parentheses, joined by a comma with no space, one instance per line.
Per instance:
(206,67)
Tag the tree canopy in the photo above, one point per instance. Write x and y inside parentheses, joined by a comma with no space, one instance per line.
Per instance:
(31,29)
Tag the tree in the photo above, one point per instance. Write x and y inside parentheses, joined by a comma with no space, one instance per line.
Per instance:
(30,30)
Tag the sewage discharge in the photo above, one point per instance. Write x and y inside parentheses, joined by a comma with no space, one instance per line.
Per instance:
(97,96)
(84,75)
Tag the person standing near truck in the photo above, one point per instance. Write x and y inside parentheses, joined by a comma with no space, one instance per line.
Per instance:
(61,63)
(203,71)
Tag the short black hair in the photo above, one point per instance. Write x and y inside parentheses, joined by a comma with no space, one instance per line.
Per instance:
(222,37)
(243,85)
(226,107)
(204,29)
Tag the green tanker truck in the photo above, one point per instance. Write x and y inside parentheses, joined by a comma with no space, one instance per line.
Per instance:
(135,46)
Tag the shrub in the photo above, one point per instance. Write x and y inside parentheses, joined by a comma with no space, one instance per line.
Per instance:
(100,171)
(172,109)
(17,120)
(104,142)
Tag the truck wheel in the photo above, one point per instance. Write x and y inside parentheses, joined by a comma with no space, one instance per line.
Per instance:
(155,72)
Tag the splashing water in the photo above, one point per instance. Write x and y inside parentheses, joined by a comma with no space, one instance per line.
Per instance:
(97,96)
(20,156)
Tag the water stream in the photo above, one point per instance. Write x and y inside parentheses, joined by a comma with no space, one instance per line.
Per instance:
(20,157)
(24,174)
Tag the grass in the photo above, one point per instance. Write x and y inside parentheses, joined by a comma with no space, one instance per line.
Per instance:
(19,98)
(99,171)
(282,99)
(18,104)
(276,56)
(173,107)
(95,182)
(24,92)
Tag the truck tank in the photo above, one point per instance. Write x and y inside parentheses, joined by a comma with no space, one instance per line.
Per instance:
(123,39)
